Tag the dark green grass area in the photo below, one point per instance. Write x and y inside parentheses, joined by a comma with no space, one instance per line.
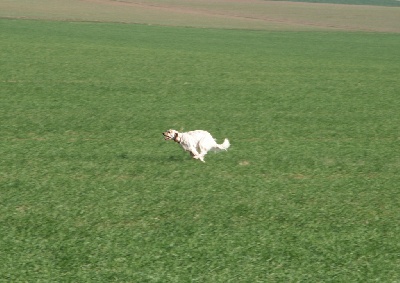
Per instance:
(90,191)
(390,3)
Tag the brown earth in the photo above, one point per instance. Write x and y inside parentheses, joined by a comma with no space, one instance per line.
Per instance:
(235,14)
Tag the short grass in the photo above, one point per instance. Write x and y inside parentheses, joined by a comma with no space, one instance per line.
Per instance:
(390,3)
(90,191)
(237,14)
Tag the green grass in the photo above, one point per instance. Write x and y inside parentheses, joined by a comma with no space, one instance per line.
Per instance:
(90,191)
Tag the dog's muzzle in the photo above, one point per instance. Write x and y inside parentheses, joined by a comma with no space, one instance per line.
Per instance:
(166,137)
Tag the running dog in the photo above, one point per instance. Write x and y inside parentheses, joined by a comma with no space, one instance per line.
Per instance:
(198,142)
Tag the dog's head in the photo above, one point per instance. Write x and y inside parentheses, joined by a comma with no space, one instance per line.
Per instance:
(171,135)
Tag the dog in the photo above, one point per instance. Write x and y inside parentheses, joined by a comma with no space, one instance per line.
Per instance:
(198,142)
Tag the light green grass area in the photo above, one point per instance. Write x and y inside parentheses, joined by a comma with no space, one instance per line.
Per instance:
(90,191)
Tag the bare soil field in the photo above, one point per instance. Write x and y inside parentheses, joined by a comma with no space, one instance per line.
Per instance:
(234,14)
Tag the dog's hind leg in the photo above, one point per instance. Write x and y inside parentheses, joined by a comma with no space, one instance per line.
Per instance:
(202,153)
(200,157)
(195,154)
(204,148)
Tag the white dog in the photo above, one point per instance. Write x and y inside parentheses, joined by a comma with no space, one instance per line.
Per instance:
(198,142)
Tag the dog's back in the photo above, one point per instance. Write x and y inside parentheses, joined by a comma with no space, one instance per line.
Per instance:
(199,135)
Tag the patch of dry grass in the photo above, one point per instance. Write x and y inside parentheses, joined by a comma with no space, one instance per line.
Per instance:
(236,14)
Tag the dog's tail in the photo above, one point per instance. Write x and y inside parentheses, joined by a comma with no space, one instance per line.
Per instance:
(224,146)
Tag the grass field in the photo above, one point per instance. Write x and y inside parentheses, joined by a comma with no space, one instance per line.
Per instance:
(227,14)
(90,191)
(389,3)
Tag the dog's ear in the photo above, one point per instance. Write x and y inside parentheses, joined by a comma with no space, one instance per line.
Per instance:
(177,138)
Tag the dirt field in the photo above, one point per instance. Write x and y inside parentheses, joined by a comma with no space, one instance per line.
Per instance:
(242,14)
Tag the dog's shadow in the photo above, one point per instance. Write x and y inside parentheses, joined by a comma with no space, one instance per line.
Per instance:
(161,154)
(176,158)
(153,158)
